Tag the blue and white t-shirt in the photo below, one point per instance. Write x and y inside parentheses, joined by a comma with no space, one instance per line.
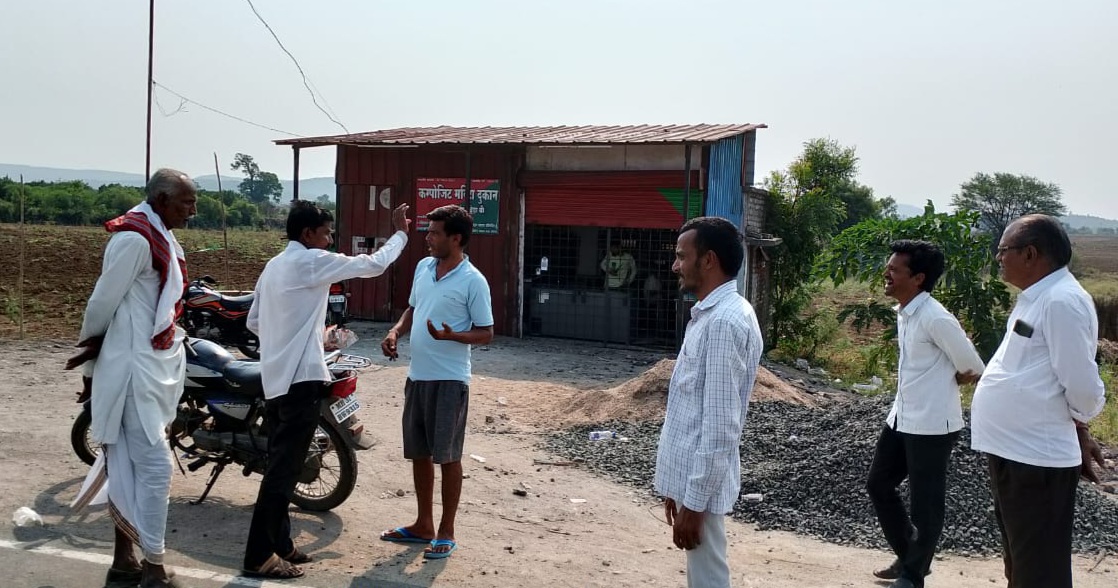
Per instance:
(461,300)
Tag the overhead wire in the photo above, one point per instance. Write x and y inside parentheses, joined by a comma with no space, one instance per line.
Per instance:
(186,100)
(181,107)
(306,82)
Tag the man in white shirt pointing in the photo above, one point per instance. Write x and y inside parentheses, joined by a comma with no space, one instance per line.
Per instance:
(1031,408)
(289,315)
(924,423)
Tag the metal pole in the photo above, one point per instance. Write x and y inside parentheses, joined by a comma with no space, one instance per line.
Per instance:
(469,179)
(605,290)
(686,217)
(224,231)
(151,87)
(687,184)
(22,249)
(295,187)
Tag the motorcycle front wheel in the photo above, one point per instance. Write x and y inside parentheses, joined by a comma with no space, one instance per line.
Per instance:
(80,438)
(337,470)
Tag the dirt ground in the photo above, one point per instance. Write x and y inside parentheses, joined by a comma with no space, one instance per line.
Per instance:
(617,537)
(1097,252)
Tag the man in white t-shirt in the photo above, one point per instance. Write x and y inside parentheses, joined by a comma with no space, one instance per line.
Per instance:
(620,268)
(1031,407)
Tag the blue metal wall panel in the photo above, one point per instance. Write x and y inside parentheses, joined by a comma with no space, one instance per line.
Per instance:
(724,192)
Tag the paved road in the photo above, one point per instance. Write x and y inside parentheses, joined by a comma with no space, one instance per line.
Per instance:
(52,563)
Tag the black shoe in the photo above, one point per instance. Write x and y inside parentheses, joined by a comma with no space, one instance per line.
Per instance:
(122,578)
(893,572)
(890,573)
(902,583)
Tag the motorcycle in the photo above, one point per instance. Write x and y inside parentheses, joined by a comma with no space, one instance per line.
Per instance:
(336,305)
(220,421)
(209,314)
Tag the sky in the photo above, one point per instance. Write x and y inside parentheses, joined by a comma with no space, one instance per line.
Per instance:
(928,93)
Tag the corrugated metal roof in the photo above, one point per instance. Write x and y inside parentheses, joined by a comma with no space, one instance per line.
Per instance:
(561,135)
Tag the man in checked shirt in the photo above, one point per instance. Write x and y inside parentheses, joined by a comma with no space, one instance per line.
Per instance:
(698,464)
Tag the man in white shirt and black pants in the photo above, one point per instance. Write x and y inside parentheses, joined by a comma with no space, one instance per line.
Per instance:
(289,315)
(1031,408)
(924,423)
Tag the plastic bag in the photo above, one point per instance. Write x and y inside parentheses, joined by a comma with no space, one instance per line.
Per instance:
(338,338)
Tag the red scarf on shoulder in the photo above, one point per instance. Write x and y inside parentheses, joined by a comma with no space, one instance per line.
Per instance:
(161,257)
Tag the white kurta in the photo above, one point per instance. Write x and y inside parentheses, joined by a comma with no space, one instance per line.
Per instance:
(122,308)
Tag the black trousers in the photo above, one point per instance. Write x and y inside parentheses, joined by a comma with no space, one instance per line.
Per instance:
(1035,509)
(291,421)
(923,460)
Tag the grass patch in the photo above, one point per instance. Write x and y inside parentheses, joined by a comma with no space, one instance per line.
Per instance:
(1105,426)
(1100,285)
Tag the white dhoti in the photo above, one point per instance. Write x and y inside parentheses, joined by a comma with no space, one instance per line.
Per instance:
(139,476)
(137,376)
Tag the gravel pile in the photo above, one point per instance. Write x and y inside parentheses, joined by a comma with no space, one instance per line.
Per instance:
(811,466)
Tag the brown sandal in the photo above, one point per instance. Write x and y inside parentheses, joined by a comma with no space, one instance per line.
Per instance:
(276,568)
(298,557)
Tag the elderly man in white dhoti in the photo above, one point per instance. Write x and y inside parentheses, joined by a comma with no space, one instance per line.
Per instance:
(137,376)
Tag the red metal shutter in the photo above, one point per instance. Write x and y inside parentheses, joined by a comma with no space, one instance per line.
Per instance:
(630,199)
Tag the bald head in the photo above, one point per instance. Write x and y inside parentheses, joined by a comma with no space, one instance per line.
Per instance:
(1047,234)
(172,196)
(167,181)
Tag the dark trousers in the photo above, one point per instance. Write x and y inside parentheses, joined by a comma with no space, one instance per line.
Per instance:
(923,460)
(291,421)
(1035,509)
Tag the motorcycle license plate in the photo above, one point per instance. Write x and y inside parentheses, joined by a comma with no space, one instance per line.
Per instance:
(345,408)
(336,298)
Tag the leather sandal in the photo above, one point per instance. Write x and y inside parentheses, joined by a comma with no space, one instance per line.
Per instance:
(275,568)
(298,557)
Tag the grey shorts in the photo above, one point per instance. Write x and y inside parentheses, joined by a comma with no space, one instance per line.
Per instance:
(434,420)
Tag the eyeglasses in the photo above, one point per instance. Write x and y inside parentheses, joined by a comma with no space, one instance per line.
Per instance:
(1005,248)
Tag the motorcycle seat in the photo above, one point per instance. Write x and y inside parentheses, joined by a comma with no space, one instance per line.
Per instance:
(237,303)
(244,376)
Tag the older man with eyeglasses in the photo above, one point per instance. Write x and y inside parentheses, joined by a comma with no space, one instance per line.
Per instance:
(1032,404)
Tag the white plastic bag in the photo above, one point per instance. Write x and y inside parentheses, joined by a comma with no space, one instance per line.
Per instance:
(25,517)
(338,338)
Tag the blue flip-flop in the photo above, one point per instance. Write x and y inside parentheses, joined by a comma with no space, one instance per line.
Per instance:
(440,554)
(405,536)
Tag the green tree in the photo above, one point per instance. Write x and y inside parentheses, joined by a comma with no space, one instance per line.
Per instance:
(258,186)
(804,210)
(860,204)
(1000,198)
(326,202)
(969,288)
(832,168)
(243,214)
(209,212)
(113,200)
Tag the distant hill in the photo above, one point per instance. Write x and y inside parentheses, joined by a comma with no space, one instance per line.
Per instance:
(309,188)
(1075,221)
(908,210)
(1078,221)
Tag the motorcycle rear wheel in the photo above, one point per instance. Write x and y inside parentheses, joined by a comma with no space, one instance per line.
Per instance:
(337,476)
(80,440)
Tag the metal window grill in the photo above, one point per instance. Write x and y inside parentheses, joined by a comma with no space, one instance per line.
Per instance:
(569,294)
